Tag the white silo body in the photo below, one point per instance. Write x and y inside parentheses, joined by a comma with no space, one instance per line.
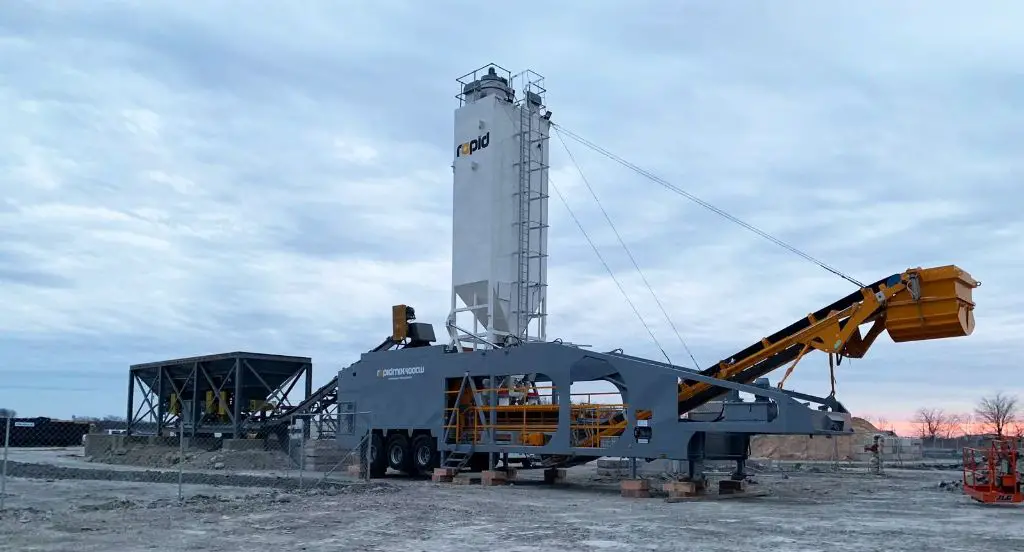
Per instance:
(500,212)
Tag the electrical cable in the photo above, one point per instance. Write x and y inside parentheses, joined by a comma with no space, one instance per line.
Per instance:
(622,242)
(608,268)
(703,203)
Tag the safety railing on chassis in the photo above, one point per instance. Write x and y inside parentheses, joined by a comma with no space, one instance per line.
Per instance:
(532,421)
(542,398)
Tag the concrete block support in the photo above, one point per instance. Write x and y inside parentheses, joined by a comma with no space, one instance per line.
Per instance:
(98,444)
(327,455)
(554,476)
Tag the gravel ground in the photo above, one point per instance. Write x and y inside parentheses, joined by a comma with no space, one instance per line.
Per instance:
(236,462)
(66,509)
(49,472)
(167,457)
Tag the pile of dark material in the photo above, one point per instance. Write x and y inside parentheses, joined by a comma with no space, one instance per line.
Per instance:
(44,432)
(929,466)
(951,486)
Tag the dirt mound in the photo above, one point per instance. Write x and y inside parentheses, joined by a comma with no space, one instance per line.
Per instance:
(802,447)
(166,457)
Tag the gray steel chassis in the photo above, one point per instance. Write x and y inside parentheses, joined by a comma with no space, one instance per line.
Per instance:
(405,390)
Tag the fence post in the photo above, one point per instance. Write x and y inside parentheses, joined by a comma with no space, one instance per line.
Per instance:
(364,446)
(302,450)
(3,475)
(181,457)
(369,444)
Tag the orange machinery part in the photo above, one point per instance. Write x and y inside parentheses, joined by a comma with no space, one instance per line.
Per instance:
(945,307)
(991,476)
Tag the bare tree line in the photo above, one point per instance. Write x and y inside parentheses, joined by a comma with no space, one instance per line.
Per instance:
(998,414)
(108,418)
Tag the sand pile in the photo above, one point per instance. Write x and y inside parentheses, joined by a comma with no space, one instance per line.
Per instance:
(165,457)
(802,447)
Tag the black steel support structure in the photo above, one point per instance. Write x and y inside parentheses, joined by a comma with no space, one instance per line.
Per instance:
(227,395)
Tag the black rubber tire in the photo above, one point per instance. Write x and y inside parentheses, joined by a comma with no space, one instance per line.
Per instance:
(399,454)
(425,456)
(378,457)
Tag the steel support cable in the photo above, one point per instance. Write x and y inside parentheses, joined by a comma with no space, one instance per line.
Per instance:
(703,203)
(609,269)
(605,264)
(629,253)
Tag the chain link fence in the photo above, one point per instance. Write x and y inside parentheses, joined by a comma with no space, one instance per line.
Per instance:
(3,473)
(292,456)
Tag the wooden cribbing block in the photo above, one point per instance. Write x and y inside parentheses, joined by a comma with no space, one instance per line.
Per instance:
(682,488)
(443,475)
(491,478)
(635,488)
(635,485)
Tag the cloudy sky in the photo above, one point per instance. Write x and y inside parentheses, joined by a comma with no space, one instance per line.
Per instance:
(183,179)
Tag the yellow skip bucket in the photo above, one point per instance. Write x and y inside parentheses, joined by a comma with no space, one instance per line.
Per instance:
(944,307)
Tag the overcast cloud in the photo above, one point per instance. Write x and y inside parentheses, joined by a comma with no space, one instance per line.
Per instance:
(181,180)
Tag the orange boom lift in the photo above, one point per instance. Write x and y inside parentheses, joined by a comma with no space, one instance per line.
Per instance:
(991,476)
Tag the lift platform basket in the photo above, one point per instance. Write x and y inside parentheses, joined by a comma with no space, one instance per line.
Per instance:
(943,306)
(991,475)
